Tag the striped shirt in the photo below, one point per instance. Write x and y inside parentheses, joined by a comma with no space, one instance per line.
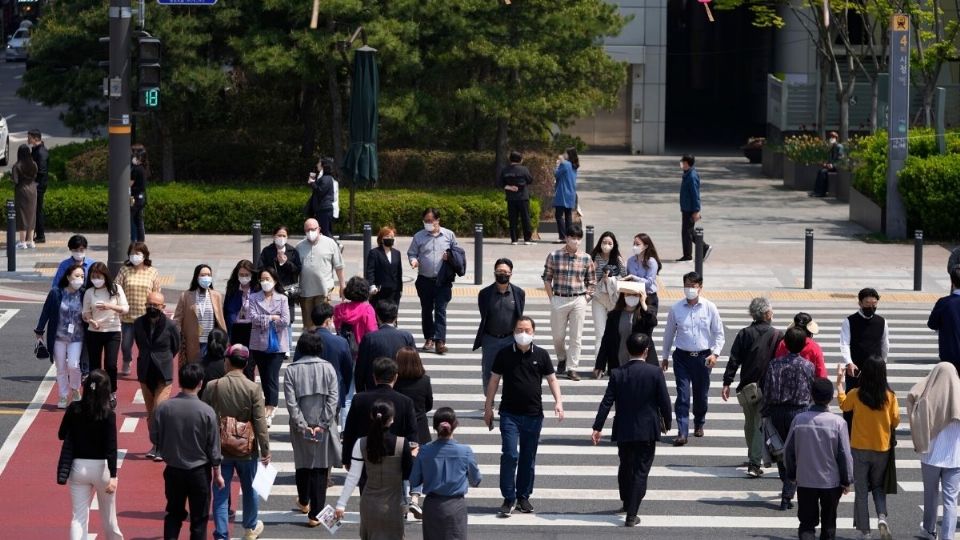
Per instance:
(205,317)
(569,274)
(137,284)
(944,451)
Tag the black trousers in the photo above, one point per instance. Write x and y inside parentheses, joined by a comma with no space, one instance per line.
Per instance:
(433,307)
(519,214)
(41,219)
(184,486)
(138,232)
(102,351)
(823,179)
(636,458)
(818,506)
(312,489)
(387,294)
(564,219)
(325,218)
(687,231)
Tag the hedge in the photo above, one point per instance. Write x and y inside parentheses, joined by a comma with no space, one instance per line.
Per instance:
(930,188)
(191,208)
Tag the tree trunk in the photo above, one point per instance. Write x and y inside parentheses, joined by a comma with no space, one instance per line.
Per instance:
(308,100)
(503,127)
(844,101)
(824,95)
(928,92)
(166,143)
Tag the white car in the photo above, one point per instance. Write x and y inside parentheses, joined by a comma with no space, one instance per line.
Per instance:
(5,137)
(18,44)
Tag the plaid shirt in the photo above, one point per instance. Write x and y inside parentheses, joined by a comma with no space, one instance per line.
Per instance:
(788,381)
(569,274)
(136,285)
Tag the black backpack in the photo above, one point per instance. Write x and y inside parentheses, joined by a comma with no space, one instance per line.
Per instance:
(346,332)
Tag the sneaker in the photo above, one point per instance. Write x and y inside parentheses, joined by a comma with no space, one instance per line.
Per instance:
(76,395)
(303,508)
(684,259)
(926,534)
(786,504)
(113,400)
(528,242)
(414,509)
(152,453)
(254,533)
(572,375)
(21,245)
(523,504)
(514,243)
(561,366)
(40,239)
(505,509)
(754,471)
(158,458)
(884,528)
(706,254)
(62,403)
(125,369)
(31,245)
(865,535)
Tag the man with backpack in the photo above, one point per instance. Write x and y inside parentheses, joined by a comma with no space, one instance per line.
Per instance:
(752,350)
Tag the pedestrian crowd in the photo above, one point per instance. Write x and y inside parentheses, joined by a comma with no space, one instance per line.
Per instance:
(358,396)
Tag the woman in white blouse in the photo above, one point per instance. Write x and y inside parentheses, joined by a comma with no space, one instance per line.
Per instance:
(103,303)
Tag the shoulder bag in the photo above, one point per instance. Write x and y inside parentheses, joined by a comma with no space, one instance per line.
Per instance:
(236,438)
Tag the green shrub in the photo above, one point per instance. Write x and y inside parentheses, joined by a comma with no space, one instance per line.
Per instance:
(190,208)
(931,193)
(806,149)
(61,168)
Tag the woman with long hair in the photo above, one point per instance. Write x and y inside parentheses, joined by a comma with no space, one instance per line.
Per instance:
(270,314)
(413,382)
(384,268)
(284,258)
(24,174)
(387,460)
(213,361)
(565,195)
(137,278)
(103,303)
(875,417)
(644,265)
(91,426)
(61,319)
(629,316)
(610,267)
(139,174)
(199,310)
(445,468)
(236,301)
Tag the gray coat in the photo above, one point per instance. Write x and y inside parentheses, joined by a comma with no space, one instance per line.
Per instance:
(311,390)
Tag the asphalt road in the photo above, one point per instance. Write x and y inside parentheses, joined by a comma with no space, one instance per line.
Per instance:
(20,371)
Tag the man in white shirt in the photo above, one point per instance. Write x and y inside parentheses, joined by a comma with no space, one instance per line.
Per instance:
(322,269)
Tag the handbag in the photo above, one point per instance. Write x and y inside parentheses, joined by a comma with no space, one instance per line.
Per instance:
(292,291)
(65,463)
(273,339)
(772,440)
(890,474)
(749,395)
(236,438)
(40,351)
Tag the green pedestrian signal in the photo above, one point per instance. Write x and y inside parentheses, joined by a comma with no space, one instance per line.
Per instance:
(149,98)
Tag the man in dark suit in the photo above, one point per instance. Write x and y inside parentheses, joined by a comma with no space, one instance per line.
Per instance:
(358,419)
(385,341)
(945,320)
(643,413)
(501,304)
(158,341)
(336,350)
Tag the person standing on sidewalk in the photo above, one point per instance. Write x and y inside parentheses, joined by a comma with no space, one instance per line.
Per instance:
(500,304)
(139,173)
(188,434)
(818,460)
(639,392)
(321,199)
(690,208)
(862,335)
(514,179)
(945,321)
(158,341)
(427,252)
(522,367)
(235,396)
(61,320)
(565,190)
(322,268)
(103,304)
(569,278)
(24,176)
(138,278)
(752,350)
(694,326)
(42,158)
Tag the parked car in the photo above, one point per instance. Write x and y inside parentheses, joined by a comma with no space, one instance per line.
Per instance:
(18,45)
(5,137)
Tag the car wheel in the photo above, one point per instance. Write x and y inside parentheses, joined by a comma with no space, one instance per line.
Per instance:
(6,153)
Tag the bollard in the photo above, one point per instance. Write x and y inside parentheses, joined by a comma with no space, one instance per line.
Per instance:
(698,251)
(478,254)
(367,244)
(808,259)
(12,237)
(256,242)
(589,247)
(918,260)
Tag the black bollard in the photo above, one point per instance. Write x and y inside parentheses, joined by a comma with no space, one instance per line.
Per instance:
(367,243)
(256,241)
(808,259)
(918,260)
(698,251)
(12,237)
(589,247)
(478,254)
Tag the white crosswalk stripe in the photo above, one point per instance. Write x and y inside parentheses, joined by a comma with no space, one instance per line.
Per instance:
(576,485)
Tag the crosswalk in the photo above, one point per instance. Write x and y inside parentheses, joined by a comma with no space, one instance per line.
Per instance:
(699,486)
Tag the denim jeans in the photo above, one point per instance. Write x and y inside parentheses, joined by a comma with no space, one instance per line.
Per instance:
(517,467)
(346,404)
(690,370)
(937,480)
(126,342)
(433,307)
(246,470)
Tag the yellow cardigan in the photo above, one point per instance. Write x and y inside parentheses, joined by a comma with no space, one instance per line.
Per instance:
(871,428)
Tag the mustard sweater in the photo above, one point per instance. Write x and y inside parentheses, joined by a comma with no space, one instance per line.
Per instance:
(871,428)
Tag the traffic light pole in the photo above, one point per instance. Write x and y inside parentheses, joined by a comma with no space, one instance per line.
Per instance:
(119,128)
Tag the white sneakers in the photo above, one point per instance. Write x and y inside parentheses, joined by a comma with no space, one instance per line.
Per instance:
(254,533)
(62,404)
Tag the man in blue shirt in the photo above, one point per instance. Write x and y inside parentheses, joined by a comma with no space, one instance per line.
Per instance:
(690,208)
(695,327)
(78,254)
(945,320)
(427,252)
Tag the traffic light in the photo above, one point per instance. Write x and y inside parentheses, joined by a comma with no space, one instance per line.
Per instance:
(148,76)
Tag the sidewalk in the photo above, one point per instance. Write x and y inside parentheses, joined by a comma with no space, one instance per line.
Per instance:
(755,227)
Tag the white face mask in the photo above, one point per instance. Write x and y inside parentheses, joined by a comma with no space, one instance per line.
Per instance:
(136,259)
(267,286)
(632,301)
(76,283)
(691,293)
(313,235)
(78,255)
(637,250)
(244,280)
(279,241)
(606,248)
(573,243)
(523,339)
(97,282)
(833,141)
(428,226)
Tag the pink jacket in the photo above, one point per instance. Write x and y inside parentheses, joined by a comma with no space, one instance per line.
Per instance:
(360,315)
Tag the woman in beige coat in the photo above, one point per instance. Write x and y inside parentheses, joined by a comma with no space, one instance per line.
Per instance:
(199,310)
(24,174)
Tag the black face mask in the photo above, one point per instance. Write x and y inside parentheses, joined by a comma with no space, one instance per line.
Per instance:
(388,242)
(154,313)
(868,311)
(502,279)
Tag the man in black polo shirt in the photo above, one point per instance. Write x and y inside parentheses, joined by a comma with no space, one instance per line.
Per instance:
(522,368)
(862,335)
(501,304)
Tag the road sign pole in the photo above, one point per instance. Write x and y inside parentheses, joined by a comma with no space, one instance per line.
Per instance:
(118,127)
(899,122)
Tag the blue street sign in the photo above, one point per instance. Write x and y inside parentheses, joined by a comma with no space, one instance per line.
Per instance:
(186,2)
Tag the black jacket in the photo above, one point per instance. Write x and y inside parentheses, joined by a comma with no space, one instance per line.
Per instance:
(386,275)
(358,419)
(752,350)
(385,341)
(41,157)
(516,175)
(421,393)
(321,199)
(483,303)
(455,265)
(639,391)
(157,343)
(289,272)
(608,355)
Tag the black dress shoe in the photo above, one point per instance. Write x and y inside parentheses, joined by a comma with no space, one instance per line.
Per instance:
(684,259)
(679,441)
(698,431)
(631,521)
(39,240)
(786,504)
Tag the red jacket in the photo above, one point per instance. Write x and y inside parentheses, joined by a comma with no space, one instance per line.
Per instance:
(812,352)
